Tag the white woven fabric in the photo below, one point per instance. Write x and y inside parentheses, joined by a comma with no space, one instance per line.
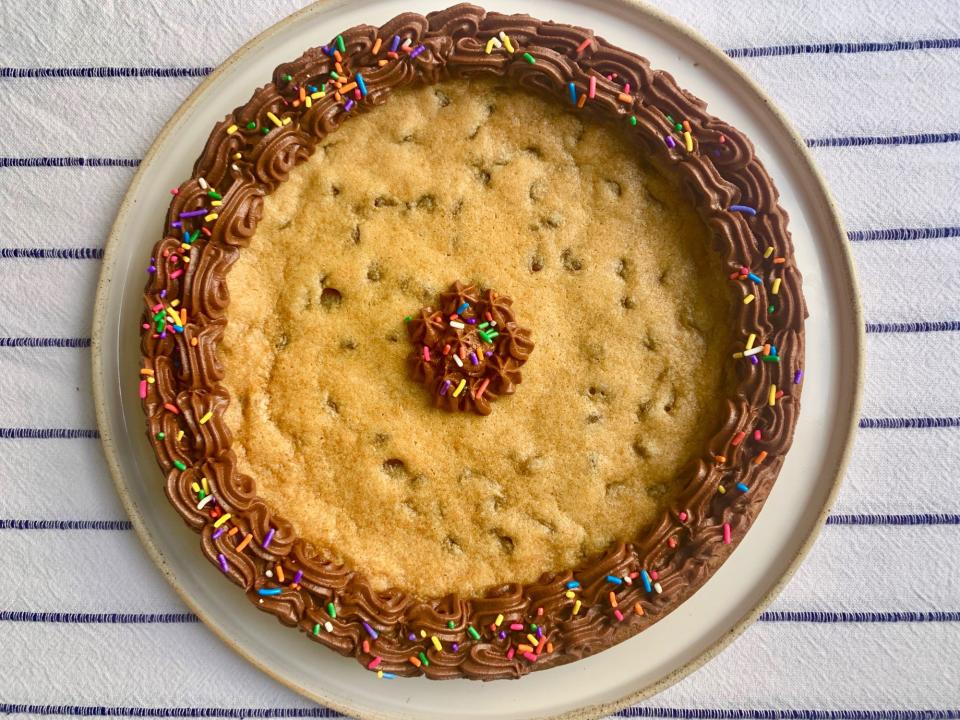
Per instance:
(884,95)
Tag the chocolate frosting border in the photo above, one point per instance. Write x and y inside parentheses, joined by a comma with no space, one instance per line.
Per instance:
(393,632)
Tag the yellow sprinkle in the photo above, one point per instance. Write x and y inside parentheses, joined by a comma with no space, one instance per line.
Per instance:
(186,259)
(460,387)
(150,381)
(751,339)
(533,639)
(179,435)
(318,94)
(308,102)
(237,156)
(175,315)
(768,252)
(206,417)
(772,398)
(221,520)
(216,203)
(380,674)
(231,130)
(776,286)
(489,47)
(688,139)
(721,489)
(203,484)
(436,643)
(211,217)
(195,487)
(506,42)
(175,302)
(274,119)
(499,620)
(570,594)
(576,607)
(737,355)
(423,633)
(749,299)
(287,120)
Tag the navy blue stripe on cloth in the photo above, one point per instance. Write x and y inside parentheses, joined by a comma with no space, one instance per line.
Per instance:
(178,618)
(67,161)
(632,712)
(835,48)
(44,342)
(914,327)
(865,140)
(53,253)
(933,233)
(909,423)
(103,72)
(48,433)
(838,519)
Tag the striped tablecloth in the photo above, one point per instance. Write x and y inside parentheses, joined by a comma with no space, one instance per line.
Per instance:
(869,627)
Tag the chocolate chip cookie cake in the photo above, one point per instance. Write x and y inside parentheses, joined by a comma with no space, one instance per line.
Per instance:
(492,376)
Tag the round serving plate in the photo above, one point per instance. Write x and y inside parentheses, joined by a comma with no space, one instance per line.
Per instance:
(660,655)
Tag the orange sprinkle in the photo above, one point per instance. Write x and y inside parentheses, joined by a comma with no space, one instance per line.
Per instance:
(366,646)
(766,349)
(295,103)
(338,67)
(686,125)
(246,541)
(542,644)
(194,342)
(183,317)
(146,371)
(279,572)
(337,56)
(348,87)
(172,408)
(376,46)
(720,458)
(624,98)
(672,542)
(523,647)
(779,261)
(638,608)
(483,387)
(392,54)
(549,647)
(233,531)
(760,458)
(613,599)
(738,438)
(415,661)
(581,101)
(381,63)
(337,96)
(303,93)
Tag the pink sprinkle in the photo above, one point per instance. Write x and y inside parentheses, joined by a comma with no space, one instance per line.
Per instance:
(726,533)
(510,652)
(175,191)
(223,562)
(516,626)
(757,435)
(269,538)
(583,46)
(426,353)
(143,389)
(654,575)
(619,615)
(539,612)
(372,665)
(682,516)
(357,94)
(157,308)
(626,88)
(176,273)
(592,93)
(530,656)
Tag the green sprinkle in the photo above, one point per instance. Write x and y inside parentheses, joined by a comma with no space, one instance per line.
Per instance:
(423,659)
(771,309)
(529,58)
(215,195)
(451,624)
(483,325)
(679,127)
(179,465)
(251,125)
(671,120)
(533,627)
(266,130)
(633,119)
(407,319)
(473,632)
(340,46)
(161,435)
(334,75)
(771,358)
(316,629)
(484,336)
(331,610)
(201,495)
(493,335)
(287,78)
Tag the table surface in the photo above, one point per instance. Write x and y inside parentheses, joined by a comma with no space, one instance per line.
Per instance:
(867,628)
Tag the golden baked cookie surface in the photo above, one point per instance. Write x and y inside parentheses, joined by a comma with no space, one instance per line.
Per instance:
(607,265)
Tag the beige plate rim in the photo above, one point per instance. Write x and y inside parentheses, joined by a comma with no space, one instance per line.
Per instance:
(847,274)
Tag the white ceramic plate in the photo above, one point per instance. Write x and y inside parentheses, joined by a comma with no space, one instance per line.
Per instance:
(676,645)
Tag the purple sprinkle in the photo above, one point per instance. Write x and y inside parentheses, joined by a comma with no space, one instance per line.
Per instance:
(489,353)
(472,321)
(218,533)
(298,577)
(753,359)
(163,334)
(419,50)
(539,632)
(223,562)
(745,209)
(194,213)
(446,386)
(671,143)
(269,538)
(395,44)
(176,224)
(503,634)
(716,153)
(163,293)
(370,631)
(152,269)
(474,359)
(797,376)
(413,638)
(348,106)
(456,647)
(328,50)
